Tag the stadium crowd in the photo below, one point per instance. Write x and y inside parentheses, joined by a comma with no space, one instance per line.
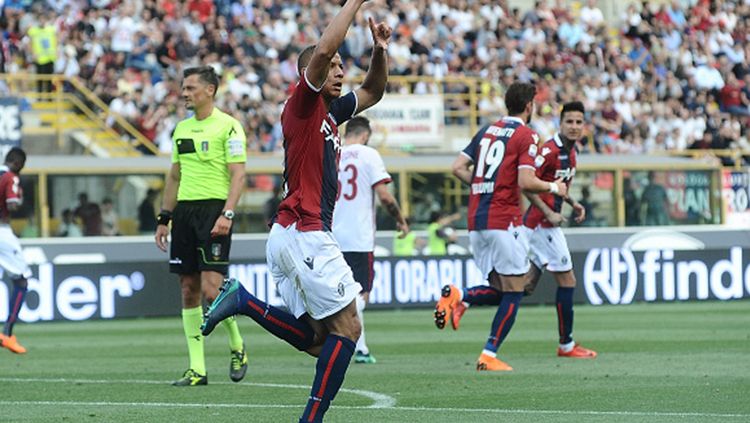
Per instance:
(664,76)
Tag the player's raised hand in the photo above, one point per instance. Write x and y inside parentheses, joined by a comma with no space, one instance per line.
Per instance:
(580,212)
(381,33)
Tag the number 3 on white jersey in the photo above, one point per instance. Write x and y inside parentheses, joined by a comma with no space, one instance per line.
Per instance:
(490,157)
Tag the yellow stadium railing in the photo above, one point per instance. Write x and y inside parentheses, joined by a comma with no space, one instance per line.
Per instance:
(25,85)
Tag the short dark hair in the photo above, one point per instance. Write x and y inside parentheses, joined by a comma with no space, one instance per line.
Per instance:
(573,106)
(357,125)
(304,58)
(206,74)
(16,154)
(519,95)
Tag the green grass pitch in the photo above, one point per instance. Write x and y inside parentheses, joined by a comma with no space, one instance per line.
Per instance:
(687,362)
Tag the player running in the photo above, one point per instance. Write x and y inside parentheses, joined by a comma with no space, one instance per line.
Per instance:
(11,259)
(497,164)
(362,175)
(311,274)
(548,248)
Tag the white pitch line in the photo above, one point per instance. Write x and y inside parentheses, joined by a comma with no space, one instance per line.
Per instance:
(379,400)
(397,408)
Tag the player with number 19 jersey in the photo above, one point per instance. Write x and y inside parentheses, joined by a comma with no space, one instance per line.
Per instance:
(498,151)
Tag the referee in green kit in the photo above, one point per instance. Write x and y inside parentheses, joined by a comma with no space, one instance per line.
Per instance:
(204,184)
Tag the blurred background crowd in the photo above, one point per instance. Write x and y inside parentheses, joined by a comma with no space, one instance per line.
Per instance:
(663,76)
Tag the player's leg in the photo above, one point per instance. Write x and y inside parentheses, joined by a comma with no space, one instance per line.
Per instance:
(508,251)
(184,262)
(190,288)
(344,329)
(566,282)
(361,264)
(553,248)
(11,260)
(234,299)
(15,301)
(210,283)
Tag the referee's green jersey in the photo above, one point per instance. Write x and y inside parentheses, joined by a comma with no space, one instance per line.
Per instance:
(203,148)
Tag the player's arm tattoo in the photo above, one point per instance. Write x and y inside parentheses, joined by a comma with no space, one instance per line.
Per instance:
(393,209)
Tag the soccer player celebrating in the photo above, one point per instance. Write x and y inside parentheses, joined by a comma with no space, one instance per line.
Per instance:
(11,258)
(497,164)
(311,274)
(362,174)
(549,250)
(204,183)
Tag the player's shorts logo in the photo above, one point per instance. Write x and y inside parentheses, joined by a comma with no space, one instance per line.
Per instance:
(340,289)
(310,262)
(564,260)
(216,251)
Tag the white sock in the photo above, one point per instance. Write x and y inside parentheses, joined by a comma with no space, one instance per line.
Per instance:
(361,343)
(489,353)
(568,347)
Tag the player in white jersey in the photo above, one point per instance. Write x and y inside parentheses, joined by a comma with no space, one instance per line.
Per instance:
(362,176)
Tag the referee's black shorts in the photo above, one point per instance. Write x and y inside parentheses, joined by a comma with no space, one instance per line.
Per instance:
(362,268)
(193,249)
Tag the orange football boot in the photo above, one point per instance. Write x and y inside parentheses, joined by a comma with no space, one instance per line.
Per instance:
(12,344)
(492,364)
(577,352)
(450,298)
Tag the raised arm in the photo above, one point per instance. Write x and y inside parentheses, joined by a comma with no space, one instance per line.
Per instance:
(330,41)
(373,87)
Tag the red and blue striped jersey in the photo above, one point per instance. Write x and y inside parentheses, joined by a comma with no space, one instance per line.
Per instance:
(311,155)
(498,151)
(554,161)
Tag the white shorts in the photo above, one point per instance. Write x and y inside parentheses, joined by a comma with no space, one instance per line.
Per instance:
(549,248)
(11,255)
(504,251)
(310,271)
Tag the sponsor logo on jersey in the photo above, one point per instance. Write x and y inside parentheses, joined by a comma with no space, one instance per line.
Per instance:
(566,174)
(539,161)
(532,150)
(204,146)
(327,131)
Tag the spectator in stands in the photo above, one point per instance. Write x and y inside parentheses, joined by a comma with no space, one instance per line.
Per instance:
(90,215)
(110,219)
(68,226)
(655,203)
(43,40)
(147,213)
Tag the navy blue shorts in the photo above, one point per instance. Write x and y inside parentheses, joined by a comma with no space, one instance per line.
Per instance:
(361,264)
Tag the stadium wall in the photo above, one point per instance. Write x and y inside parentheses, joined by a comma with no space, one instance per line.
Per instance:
(127,277)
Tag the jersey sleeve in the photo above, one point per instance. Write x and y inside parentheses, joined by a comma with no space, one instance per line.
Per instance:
(471,149)
(544,160)
(175,153)
(344,108)
(12,188)
(301,103)
(527,149)
(376,169)
(236,143)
